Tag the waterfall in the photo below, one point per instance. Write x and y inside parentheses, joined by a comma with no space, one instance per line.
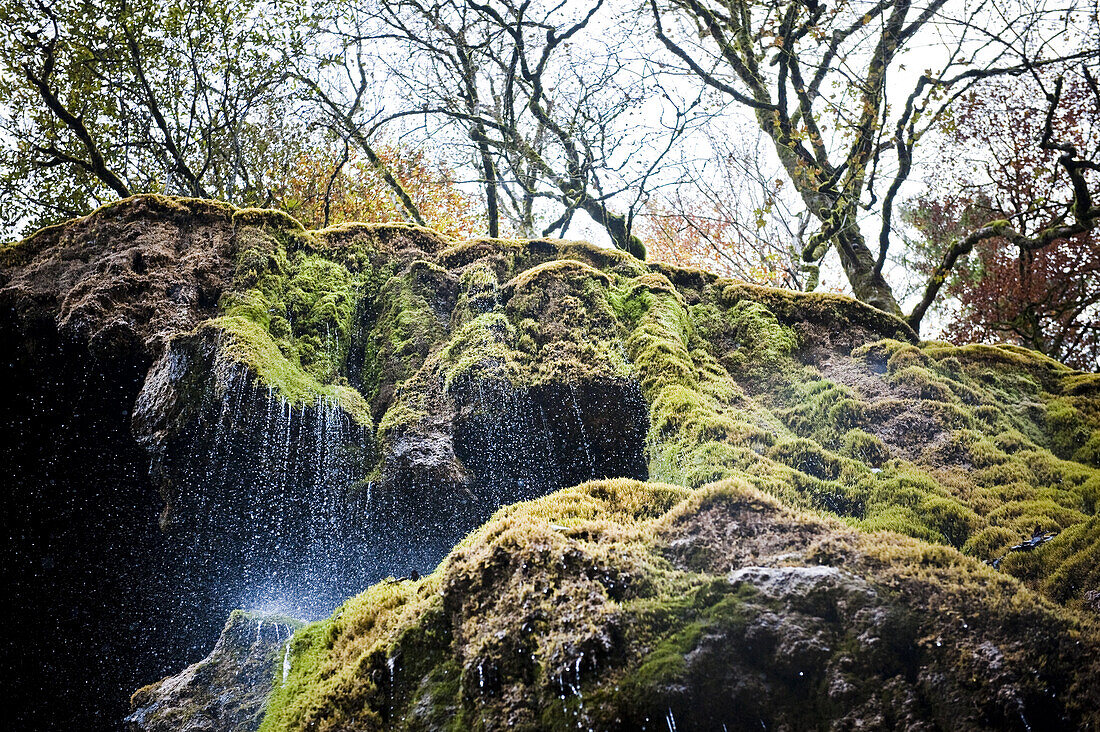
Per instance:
(286,661)
(265,490)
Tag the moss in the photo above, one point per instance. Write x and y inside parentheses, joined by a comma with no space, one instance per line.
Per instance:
(1012,441)
(291,311)
(865,447)
(923,383)
(808,457)
(326,656)
(714,607)
(249,343)
(605,259)
(693,404)
(666,664)
(820,308)
(1022,516)
(822,404)
(566,325)
(722,365)
(905,357)
(268,218)
(1068,429)
(823,410)
(632,300)
(1081,385)
(959,435)
(971,448)
(905,500)
(483,349)
(479,292)
(1090,495)
(1067,568)
(568,610)
(991,543)
(762,346)
(1089,453)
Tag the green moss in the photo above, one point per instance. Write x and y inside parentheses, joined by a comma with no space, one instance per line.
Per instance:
(631,301)
(1090,495)
(865,447)
(479,292)
(605,259)
(1022,516)
(762,347)
(991,542)
(693,404)
(250,344)
(291,312)
(905,500)
(971,448)
(960,435)
(835,311)
(484,349)
(923,383)
(1089,453)
(565,322)
(808,457)
(1068,429)
(320,299)
(714,607)
(567,608)
(823,410)
(1067,568)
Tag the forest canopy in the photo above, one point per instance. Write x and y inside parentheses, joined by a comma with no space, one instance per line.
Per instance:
(936,159)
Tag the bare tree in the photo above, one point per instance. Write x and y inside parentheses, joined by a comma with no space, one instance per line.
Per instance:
(547,110)
(732,213)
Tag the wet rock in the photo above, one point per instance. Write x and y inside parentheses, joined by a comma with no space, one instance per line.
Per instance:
(227,690)
(565,612)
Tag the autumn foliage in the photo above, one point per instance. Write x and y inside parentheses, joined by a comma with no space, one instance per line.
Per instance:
(328,187)
(1048,299)
(705,233)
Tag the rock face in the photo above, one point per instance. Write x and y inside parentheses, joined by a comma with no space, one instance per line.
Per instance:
(213,408)
(227,690)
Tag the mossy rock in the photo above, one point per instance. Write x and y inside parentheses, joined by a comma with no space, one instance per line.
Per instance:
(484,372)
(627,605)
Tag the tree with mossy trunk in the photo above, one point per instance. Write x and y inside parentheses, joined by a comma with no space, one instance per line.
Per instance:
(822,82)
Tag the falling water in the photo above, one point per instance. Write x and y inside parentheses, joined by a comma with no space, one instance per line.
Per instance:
(585,442)
(267,496)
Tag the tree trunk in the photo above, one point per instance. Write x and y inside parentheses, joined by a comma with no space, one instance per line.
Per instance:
(859,266)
